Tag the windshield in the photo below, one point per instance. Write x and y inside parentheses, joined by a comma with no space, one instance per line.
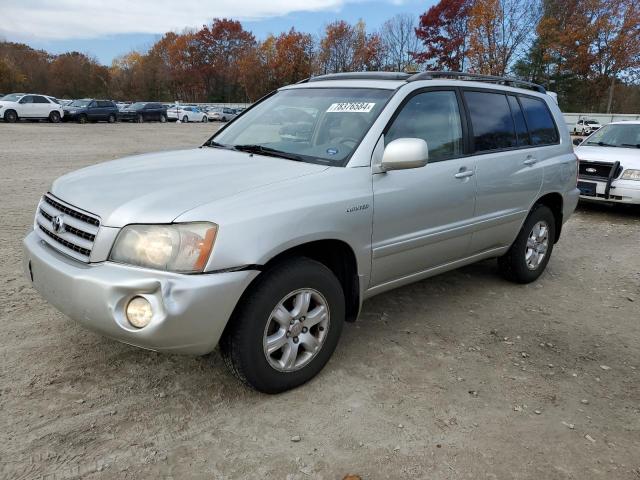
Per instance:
(12,97)
(80,103)
(591,122)
(617,135)
(137,106)
(319,125)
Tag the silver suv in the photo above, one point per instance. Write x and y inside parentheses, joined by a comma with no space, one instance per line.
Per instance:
(270,235)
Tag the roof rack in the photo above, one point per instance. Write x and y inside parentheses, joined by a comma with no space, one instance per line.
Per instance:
(508,81)
(361,76)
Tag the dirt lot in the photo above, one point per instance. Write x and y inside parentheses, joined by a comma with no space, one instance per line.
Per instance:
(460,376)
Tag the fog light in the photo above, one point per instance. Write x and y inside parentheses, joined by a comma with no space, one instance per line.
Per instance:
(139,312)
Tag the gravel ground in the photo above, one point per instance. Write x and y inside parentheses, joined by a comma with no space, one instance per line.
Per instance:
(460,376)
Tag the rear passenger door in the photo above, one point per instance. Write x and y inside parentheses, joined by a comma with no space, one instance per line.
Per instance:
(509,172)
(422,217)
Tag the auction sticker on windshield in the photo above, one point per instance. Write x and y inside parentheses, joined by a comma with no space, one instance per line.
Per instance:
(356,107)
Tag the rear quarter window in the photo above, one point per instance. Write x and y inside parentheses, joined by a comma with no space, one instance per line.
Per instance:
(540,122)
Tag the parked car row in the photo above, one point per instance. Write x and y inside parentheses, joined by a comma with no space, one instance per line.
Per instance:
(17,106)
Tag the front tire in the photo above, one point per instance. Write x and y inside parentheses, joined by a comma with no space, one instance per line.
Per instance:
(10,116)
(111,118)
(205,119)
(284,332)
(83,119)
(54,117)
(185,119)
(140,119)
(163,118)
(528,256)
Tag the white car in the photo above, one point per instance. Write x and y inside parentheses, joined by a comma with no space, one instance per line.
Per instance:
(610,164)
(221,114)
(186,114)
(586,127)
(32,106)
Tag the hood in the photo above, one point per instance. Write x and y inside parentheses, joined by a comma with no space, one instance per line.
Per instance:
(4,103)
(628,157)
(158,187)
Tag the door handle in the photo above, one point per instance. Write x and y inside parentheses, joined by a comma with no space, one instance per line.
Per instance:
(530,161)
(464,173)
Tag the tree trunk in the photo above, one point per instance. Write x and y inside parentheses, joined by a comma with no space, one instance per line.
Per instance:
(610,102)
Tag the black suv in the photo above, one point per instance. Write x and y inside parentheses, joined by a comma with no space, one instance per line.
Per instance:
(89,110)
(144,112)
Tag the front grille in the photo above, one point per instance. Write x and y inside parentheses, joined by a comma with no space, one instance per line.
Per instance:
(597,170)
(65,228)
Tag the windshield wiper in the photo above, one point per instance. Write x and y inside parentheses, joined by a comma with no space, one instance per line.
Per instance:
(637,145)
(215,144)
(601,144)
(272,152)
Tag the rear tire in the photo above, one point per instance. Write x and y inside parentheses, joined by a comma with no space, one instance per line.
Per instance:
(528,256)
(83,119)
(10,116)
(305,340)
(163,118)
(140,119)
(54,117)
(185,119)
(111,118)
(205,119)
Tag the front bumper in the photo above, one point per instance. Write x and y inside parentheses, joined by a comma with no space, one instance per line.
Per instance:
(190,311)
(622,191)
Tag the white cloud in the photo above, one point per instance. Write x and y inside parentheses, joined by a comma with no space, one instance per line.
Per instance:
(68,19)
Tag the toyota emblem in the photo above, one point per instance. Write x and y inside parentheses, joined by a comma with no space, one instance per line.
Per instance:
(591,170)
(57,223)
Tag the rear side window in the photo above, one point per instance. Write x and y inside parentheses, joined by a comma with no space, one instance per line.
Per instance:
(539,120)
(493,127)
(39,99)
(434,117)
(27,99)
(518,119)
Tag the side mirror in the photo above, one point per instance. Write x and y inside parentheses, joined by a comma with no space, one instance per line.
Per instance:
(577,141)
(405,153)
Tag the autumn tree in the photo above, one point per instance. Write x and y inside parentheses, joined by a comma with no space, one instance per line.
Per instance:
(348,48)
(443,32)
(595,42)
(218,47)
(499,31)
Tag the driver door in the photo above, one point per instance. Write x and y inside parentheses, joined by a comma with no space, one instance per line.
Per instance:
(423,217)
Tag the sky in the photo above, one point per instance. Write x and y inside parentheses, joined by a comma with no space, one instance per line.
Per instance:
(107,29)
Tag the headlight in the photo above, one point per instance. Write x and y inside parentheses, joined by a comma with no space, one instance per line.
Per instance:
(631,175)
(179,247)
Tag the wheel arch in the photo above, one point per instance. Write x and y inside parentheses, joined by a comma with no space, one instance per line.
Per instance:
(555,203)
(337,256)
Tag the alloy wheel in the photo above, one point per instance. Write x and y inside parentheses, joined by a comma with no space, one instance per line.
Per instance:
(296,330)
(537,245)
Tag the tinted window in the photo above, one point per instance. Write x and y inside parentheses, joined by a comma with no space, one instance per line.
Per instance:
(518,120)
(434,117)
(27,99)
(541,127)
(491,120)
(39,99)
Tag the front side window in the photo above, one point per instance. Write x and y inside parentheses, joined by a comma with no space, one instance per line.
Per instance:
(433,117)
(26,99)
(541,127)
(79,103)
(491,121)
(317,125)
